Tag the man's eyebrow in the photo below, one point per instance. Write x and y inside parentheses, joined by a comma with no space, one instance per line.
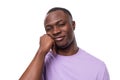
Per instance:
(47,25)
(60,21)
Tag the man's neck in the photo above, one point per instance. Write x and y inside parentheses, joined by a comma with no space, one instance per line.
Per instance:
(70,50)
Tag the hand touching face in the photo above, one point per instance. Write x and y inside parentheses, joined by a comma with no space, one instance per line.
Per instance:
(46,43)
(60,27)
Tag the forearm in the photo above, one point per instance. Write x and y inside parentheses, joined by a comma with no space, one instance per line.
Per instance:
(35,69)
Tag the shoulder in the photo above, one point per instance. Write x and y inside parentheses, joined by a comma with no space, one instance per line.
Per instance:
(92,61)
(87,56)
(96,65)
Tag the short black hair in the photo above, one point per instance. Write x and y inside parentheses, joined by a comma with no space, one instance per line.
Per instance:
(66,11)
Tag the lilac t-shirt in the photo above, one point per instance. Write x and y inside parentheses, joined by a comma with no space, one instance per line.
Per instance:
(80,66)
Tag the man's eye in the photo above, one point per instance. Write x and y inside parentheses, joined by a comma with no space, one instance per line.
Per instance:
(48,28)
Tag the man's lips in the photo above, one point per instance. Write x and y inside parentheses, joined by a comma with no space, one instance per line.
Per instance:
(59,38)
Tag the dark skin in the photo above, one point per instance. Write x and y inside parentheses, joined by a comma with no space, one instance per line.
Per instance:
(61,29)
(59,37)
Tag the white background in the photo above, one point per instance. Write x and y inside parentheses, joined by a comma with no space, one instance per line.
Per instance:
(21,25)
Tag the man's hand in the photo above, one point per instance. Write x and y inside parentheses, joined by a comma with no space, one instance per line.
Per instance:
(46,43)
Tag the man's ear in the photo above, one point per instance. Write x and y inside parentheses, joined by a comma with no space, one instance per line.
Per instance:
(73,24)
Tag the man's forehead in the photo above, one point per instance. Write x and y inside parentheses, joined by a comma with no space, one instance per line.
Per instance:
(55,16)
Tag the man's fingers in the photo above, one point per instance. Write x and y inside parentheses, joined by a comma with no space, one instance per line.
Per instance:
(50,36)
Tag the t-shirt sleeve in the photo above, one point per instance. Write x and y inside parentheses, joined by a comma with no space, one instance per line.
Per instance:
(43,77)
(106,75)
(44,67)
(103,74)
(43,74)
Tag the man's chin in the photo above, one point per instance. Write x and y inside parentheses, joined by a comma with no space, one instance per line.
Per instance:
(61,46)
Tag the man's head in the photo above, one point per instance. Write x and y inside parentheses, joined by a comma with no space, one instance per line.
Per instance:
(62,9)
(60,26)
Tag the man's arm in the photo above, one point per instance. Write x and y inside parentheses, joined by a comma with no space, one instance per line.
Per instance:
(35,69)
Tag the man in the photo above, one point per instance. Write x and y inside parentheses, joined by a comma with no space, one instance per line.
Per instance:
(59,57)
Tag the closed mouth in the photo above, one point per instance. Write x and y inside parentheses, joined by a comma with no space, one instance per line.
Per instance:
(59,38)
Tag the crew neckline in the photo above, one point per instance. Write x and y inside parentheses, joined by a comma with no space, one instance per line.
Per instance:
(58,55)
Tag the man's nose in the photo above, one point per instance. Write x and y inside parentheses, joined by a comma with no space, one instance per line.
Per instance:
(56,31)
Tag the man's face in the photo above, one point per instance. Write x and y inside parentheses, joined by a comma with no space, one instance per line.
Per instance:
(60,27)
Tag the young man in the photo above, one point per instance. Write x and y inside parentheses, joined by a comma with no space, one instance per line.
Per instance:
(59,57)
